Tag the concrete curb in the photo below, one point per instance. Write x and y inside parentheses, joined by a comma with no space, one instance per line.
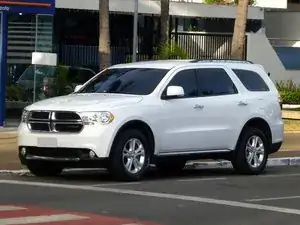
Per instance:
(272,162)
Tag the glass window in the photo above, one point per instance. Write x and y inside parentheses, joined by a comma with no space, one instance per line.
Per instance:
(135,81)
(214,81)
(83,76)
(251,80)
(187,80)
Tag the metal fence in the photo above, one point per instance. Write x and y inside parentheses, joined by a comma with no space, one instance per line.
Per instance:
(201,45)
(197,45)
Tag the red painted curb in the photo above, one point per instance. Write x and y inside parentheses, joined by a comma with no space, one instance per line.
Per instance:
(91,219)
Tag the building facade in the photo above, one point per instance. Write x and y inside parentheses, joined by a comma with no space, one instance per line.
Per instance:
(72,32)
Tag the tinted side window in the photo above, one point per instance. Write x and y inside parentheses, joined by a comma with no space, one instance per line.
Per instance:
(214,81)
(251,80)
(187,80)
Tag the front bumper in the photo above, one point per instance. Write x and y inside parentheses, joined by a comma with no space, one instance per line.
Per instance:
(66,157)
(65,147)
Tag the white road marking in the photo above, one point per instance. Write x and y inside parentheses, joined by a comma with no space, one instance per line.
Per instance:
(40,219)
(203,179)
(272,199)
(10,208)
(159,195)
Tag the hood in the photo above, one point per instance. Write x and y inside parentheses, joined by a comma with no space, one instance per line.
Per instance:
(85,102)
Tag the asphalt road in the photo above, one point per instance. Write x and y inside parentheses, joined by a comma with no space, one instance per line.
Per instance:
(205,197)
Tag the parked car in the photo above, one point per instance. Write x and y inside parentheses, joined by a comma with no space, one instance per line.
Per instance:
(160,112)
(46,76)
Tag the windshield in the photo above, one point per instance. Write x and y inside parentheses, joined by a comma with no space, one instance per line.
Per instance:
(41,72)
(135,81)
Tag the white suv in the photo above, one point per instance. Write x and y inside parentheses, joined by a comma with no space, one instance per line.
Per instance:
(156,112)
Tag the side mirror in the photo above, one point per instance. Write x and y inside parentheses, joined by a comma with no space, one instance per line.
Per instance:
(78,87)
(174,92)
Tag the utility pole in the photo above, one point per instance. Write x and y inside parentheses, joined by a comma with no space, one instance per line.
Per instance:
(135,30)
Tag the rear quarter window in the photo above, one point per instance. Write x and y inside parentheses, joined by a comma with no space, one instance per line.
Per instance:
(251,80)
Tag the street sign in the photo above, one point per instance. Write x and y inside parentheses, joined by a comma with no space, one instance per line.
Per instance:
(28,6)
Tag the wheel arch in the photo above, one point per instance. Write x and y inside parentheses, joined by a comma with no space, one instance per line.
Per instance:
(259,123)
(140,125)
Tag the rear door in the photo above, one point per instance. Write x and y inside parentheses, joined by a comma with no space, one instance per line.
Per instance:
(219,96)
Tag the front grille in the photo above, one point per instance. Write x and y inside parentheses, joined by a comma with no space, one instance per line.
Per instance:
(54,121)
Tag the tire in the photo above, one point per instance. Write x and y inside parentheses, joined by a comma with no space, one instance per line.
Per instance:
(244,165)
(171,166)
(44,169)
(119,159)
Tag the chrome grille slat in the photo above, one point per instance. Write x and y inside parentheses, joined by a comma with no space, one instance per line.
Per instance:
(65,122)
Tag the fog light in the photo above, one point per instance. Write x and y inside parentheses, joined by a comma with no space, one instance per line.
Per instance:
(92,154)
(23,151)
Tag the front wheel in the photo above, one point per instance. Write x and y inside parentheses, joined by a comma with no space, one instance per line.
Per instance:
(251,153)
(44,169)
(130,156)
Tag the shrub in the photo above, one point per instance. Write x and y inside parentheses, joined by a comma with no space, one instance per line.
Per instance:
(287,86)
(251,2)
(227,2)
(15,93)
(171,51)
(290,97)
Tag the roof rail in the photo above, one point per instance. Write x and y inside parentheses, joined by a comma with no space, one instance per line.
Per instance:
(221,60)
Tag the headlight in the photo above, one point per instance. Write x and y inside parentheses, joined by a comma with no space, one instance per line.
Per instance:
(24,116)
(92,118)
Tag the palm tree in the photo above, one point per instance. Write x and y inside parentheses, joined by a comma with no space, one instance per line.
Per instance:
(238,40)
(164,21)
(104,38)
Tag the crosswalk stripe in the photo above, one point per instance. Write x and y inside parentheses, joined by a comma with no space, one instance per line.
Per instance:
(10,208)
(40,219)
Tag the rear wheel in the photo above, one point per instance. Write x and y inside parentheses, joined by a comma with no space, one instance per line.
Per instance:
(251,154)
(130,156)
(44,169)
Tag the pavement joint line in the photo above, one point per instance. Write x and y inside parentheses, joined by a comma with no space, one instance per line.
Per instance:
(202,179)
(116,184)
(272,199)
(230,203)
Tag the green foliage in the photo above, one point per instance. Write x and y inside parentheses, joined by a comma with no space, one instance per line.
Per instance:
(226,2)
(287,86)
(290,97)
(171,51)
(15,93)
(289,92)
(61,84)
(223,2)
(251,2)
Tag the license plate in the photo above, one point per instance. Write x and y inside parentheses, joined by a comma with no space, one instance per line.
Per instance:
(47,142)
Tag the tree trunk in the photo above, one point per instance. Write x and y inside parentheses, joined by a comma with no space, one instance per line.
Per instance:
(164,21)
(104,38)
(238,40)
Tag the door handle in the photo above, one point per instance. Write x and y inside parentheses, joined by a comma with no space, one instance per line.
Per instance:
(198,106)
(242,103)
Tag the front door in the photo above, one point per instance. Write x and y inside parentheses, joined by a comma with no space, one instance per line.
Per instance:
(179,119)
